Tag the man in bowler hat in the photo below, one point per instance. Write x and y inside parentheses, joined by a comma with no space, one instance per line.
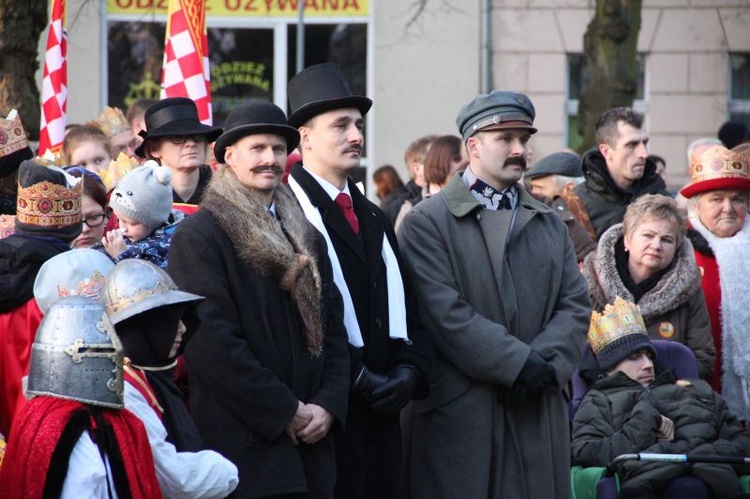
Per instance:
(551,180)
(269,371)
(389,360)
(507,309)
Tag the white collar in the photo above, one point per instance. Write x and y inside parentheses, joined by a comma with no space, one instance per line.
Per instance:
(330,189)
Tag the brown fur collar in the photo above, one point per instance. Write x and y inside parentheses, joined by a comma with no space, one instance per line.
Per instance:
(280,250)
(676,287)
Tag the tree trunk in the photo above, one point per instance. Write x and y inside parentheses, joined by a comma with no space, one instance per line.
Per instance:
(610,46)
(21,24)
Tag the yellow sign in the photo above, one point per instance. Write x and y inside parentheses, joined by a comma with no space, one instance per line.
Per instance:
(250,8)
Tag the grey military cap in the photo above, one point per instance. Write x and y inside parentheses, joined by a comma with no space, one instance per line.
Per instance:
(497,110)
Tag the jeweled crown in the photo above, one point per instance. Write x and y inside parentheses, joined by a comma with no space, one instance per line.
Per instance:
(616,320)
(12,136)
(719,162)
(46,204)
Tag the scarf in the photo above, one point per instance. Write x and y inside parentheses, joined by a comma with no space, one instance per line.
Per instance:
(280,249)
(733,259)
(396,296)
(488,196)
(43,438)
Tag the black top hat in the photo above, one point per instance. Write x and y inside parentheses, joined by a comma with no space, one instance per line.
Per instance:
(174,116)
(319,89)
(255,116)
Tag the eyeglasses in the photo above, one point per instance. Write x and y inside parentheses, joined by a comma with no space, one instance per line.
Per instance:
(181,139)
(94,220)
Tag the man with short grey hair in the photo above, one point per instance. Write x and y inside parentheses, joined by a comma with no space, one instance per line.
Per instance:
(507,309)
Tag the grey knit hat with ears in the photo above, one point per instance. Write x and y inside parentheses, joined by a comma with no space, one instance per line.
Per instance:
(145,195)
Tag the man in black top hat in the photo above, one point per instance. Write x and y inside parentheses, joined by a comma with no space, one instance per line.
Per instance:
(389,361)
(268,363)
(176,138)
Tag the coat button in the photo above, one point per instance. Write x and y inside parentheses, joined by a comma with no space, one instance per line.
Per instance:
(374,285)
(378,323)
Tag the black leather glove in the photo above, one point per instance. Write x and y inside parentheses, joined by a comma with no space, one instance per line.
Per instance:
(536,373)
(397,391)
(367,382)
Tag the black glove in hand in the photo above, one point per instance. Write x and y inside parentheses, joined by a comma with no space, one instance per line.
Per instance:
(367,382)
(396,392)
(536,374)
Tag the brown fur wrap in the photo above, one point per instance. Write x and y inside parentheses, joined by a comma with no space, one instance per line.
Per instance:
(280,249)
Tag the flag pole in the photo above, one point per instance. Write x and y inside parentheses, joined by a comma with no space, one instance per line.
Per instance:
(301,36)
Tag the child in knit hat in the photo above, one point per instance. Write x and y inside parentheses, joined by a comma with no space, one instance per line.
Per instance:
(142,202)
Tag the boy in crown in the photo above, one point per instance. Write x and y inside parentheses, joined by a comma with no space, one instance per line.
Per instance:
(637,405)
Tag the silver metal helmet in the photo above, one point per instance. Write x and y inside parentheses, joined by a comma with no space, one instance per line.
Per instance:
(77,355)
(135,286)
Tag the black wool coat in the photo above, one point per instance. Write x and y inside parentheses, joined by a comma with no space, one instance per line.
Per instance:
(369,451)
(249,364)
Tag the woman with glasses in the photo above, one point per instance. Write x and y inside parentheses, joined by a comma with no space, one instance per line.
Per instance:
(176,138)
(93,209)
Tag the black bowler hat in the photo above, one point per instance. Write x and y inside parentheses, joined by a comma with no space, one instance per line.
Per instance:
(255,116)
(319,89)
(174,116)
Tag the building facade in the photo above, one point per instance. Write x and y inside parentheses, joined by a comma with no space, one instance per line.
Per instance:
(421,60)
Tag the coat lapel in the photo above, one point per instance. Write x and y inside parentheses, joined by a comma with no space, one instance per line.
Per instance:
(369,229)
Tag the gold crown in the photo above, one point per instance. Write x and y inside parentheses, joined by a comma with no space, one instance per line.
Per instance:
(12,136)
(50,158)
(718,162)
(617,320)
(117,169)
(112,121)
(46,204)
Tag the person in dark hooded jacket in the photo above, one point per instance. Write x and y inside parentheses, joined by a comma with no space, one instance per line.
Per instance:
(617,170)
(637,405)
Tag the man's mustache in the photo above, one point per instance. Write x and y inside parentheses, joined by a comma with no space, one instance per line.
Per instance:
(268,168)
(515,160)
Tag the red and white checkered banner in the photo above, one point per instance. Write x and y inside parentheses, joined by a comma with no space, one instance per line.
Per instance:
(185,72)
(55,83)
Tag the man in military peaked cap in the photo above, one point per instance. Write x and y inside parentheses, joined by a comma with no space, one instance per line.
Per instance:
(507,309)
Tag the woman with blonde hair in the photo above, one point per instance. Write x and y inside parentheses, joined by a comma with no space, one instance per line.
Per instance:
(648,261)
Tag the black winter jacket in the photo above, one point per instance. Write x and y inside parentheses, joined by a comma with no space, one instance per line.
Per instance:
(604,200)
(621,416)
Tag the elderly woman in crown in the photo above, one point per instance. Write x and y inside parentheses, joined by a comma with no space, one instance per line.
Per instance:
(719,197)
(647,260)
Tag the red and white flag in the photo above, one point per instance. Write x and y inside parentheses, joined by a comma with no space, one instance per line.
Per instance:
(185,72)
(55,83)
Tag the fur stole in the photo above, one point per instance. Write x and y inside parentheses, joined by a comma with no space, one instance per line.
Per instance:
(732,255)
(676,287)
(280,249)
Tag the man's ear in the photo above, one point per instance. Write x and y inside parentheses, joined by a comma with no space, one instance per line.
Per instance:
(304,138)
(606,150)
(472,147)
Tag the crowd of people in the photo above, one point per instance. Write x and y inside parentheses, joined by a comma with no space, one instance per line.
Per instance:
(176,321)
